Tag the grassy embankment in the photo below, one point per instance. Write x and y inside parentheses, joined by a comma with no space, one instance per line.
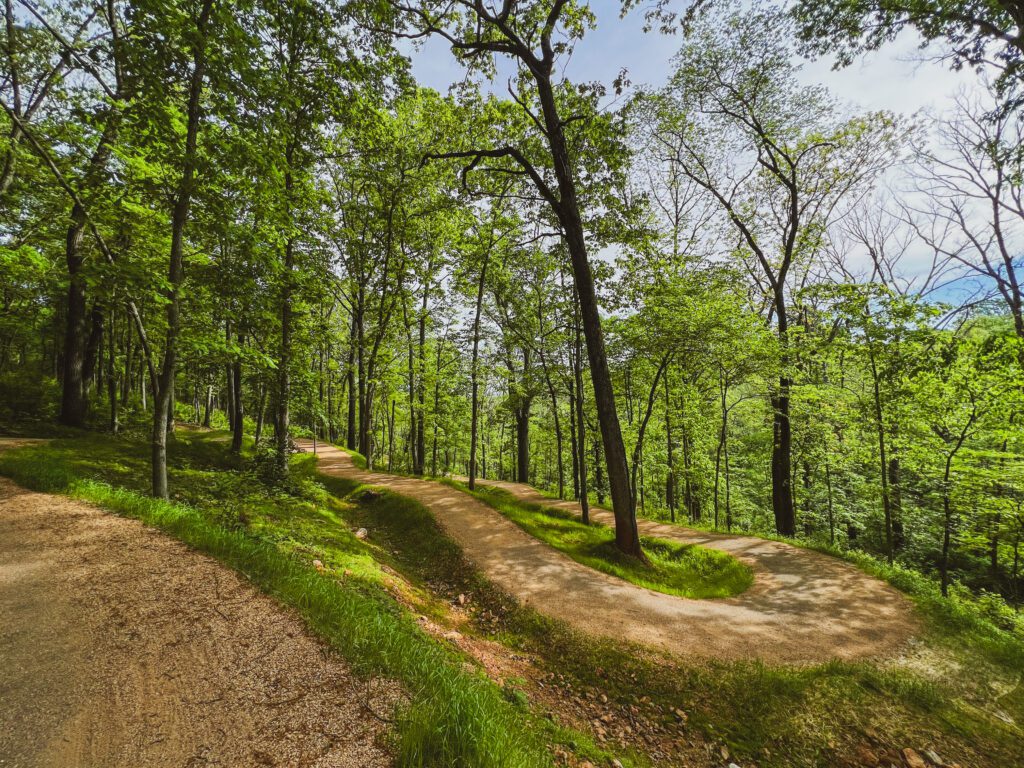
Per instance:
(676,569)
(771,716)
(454,716)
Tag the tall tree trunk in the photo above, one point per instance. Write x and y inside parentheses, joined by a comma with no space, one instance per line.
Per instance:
(111,375)
(782,434)
(73,401)
(421,389)
(559,460)
(261,410)
(91,373)
(883,462)
(474,371)
(627,537)
(284,356)
(522,414)
(238,414)
(351,437)
(670,476)
(162,407)
(581,428)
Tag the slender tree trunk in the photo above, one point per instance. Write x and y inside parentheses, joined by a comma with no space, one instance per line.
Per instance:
(947,529)
(559,461)
(421,387)
(261,410)
(91,372)
(163,407)
(474,371)
(522,414)
(670,477)
(831,511)
(581,434)
(111,376)
(884,464)
(238,415)
(284,356)
(351,438)
(391,437)
(573,442)
(782,434)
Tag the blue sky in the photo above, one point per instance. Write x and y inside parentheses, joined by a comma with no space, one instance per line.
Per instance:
(899,78)
(893,78)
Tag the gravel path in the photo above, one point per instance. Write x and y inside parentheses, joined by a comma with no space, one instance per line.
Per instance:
(804,607)
(120,646)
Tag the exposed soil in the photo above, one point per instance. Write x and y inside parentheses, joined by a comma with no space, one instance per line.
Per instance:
(120,646)
(804,607)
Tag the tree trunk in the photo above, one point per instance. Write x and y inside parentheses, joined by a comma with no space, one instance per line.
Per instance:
(112,377)
(782,431)
(522,414)
(284,357)
(261,410)
(474,372)
(73,402)
(883,462)
(670,477)
(162,407)
(91,373)
(627,537)
(559,461)
(421,389)
(351,437)
(581,429)
(238,416)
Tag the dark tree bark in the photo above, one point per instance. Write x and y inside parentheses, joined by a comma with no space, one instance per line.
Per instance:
(496,35)
(559,460)
(238,411)
(91,372)
(162,406)
(112,376)
(73,401)
(581,428)
(474,371)
(351,436)
(670,476)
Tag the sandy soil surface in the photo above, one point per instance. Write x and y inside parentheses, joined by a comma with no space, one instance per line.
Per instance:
(120,646)
(804,607)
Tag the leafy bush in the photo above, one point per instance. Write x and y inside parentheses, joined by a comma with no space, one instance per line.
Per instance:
(28,396)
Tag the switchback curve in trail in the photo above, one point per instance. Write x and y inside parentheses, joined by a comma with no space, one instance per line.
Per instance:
(804,607)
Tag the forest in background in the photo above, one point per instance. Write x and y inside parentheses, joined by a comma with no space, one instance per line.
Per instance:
(728,299)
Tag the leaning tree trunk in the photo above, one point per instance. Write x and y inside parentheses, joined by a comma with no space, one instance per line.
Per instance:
(627,537)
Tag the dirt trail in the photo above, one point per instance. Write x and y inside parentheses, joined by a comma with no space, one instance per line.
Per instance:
(804,607)
(120,646)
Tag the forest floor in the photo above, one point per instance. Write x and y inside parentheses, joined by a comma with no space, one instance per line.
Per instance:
(122,646)
(804,607)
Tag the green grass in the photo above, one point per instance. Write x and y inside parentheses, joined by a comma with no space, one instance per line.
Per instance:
(685,570)
(769,715)
(776,716)
(454,717)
